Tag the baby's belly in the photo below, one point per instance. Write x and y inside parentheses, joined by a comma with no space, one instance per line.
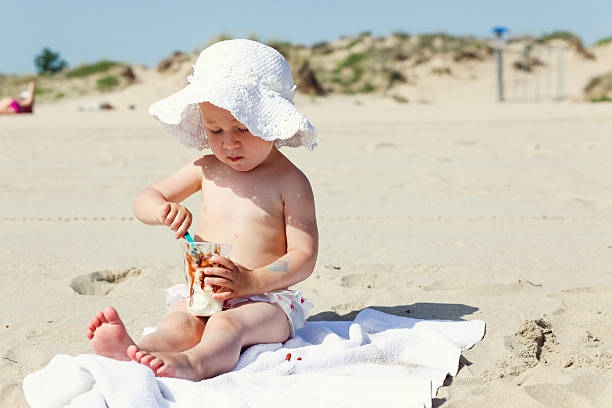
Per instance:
(251,247)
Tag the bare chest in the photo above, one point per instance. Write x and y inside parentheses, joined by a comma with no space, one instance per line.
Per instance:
(249,216)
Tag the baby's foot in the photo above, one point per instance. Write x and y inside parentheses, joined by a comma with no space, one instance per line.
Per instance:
(108,336)
(175,365)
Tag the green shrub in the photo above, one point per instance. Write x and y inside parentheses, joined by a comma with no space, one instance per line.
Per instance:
(366,88)
(49,62)
(604,98)
(107,83)
(41,91)
(560,35)
(352,44)
(401,34)
(427,40)
(351,61)
(604,41)
(89,69)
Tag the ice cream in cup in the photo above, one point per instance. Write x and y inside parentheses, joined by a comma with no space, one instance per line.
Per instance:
(196,255)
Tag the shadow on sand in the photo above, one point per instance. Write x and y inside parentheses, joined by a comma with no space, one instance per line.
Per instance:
(429,311)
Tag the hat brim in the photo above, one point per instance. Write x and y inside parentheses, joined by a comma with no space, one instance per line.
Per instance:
(265,113)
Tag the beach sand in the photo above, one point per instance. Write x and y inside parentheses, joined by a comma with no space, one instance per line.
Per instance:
(499,212)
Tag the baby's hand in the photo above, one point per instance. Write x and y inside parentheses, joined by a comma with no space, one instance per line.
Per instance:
(232,280)
(175,216)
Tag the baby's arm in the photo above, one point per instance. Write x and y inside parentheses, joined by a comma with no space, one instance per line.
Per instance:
(159,203)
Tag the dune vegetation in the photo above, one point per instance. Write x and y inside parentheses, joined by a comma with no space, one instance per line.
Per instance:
(361,64)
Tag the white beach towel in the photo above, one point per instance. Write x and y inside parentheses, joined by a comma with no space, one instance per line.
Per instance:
(377,360)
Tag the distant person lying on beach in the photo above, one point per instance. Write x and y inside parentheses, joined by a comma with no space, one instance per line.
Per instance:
(238,103)
(24,104)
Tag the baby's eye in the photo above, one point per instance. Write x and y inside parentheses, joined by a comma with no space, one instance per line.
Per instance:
(215,131)
(240,129)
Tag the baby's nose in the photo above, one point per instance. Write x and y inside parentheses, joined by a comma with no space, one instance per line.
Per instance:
(230,141)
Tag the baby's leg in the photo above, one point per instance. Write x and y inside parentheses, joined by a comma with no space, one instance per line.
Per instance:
(108,336)
(178,331)
(226,333)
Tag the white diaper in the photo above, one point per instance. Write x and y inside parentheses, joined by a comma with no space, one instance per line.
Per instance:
(293,304)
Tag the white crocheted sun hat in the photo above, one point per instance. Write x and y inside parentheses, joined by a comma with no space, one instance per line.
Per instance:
(251,80)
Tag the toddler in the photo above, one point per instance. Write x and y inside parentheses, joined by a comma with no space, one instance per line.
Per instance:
(239,104)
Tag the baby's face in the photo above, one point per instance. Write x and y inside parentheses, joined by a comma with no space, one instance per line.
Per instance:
(231,142)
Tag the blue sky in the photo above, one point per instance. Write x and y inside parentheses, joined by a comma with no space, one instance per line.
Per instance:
(144,32)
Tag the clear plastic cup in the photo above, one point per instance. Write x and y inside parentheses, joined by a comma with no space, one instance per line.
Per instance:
(196,255)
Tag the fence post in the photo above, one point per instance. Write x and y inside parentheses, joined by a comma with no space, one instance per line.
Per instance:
(499,59)
(560,76)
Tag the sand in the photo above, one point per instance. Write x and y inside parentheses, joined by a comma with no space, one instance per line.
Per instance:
(450,210)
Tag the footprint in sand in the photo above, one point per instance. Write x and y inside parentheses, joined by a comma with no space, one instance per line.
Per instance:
(531,341)
(530,346)
(358,281)
(101,283)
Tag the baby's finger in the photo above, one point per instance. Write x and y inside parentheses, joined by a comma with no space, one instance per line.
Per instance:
(222,261)
(218,271)
(178,220)
(163,213)
(223,295)
(170,216)
(184,227)
(218,281)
